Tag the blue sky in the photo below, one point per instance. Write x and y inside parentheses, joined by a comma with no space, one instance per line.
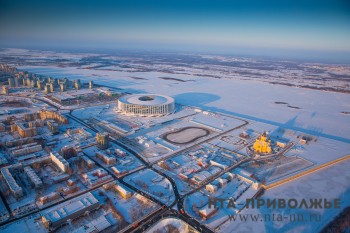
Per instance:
(322,25)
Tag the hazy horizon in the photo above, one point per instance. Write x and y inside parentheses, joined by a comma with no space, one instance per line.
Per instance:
(308,30)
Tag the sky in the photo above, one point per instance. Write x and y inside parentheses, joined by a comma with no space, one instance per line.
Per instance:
(217,25)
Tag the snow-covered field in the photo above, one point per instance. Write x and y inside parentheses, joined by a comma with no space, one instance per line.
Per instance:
(330,183)
(155,185)
(313,112)
(170,225)
(319,113)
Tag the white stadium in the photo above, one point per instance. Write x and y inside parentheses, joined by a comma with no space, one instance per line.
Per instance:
(147,105)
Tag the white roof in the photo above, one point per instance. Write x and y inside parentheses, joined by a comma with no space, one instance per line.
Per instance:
(67,208)
(146,99)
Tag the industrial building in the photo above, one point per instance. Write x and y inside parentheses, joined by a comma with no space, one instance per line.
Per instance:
(96,225)
(146,105)
(58,215)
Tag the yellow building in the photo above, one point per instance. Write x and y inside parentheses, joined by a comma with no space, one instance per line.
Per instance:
(262,144)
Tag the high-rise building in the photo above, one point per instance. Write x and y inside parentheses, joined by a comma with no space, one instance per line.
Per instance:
(32,83)
(52,87)
(41,84)
(77,85)
(102,140)
(5,90)
(11,82)
(63,87)
(20,81)
(16,81)
(47,88)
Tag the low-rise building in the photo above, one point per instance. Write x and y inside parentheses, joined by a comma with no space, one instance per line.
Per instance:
(211,188)
(96,176)
(49,197)
(205,212)
(58,215)
(109,160)
(228,176)
(109,185)
(96,225)
(118,172)
(222,182)
(88,161)
(124,192)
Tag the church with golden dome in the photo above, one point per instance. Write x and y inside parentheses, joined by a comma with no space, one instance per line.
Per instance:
(262,144)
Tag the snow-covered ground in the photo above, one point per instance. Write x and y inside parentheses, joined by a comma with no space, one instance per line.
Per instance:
(330,183)
(170,225)
(152,183)
(312,112)
(319,113)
